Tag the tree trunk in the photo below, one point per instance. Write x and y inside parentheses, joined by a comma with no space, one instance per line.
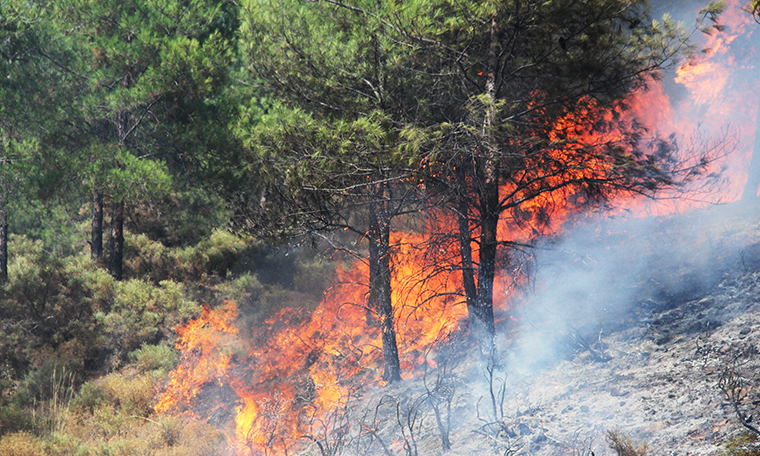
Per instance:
(380,289)
(489,219)
(374,275)
(753,173)
(465,244)
(488,177)
(117,240)
(96,242)
(3,247)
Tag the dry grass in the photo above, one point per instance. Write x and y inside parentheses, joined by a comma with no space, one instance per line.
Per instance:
(21,444)
(623,445)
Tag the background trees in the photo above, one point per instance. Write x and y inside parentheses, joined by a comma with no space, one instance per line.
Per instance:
(148,75)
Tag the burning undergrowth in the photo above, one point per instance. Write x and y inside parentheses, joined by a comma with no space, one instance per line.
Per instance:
(310,383)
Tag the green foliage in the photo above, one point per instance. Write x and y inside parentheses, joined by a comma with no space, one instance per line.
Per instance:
(183,218)
(213,255)
(14,417)
(742,444)
(89,398)
(160,358)
(53,381)
(142,313)
(48,306)
(68,308)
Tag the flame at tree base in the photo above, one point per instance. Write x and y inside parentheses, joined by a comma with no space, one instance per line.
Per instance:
(295,371)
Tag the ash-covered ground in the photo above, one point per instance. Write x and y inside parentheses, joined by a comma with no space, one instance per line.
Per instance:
(628,325)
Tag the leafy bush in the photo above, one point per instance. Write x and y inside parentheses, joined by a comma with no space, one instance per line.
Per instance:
(65,445)
(14,417)
(162,358)
(214,255)
(143,313)
(51,381)
(47,307)
(88,399)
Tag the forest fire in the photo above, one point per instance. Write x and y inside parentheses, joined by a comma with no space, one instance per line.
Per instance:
(298,369)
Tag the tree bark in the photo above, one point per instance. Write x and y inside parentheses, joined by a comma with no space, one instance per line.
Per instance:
(488,195)
(3,247)
(96,241)
(115,264)
(465,244)
(489,219)
(374,274)
(380,289)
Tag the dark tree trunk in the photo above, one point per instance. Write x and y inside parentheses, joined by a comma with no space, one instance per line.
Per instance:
(465,244)
(3,247)
(96,242)
(488,195)
(489,219)
(117,241)
(380,289)
(374,275)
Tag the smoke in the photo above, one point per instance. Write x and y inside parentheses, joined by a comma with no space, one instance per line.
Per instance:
(715,90)
(608,270)
(608,274)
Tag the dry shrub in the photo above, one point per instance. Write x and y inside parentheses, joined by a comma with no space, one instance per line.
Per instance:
(21,444)
(133,393)
(623,445)
(196,438)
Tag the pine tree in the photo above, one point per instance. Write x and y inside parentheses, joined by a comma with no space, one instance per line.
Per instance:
(146,71)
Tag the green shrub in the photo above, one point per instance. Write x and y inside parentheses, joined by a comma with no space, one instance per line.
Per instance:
(214,255)
(14,417)
(89,398)
(143,313)
(162,358)
(743,444)
(52,381)
(64,445)
(47,306)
